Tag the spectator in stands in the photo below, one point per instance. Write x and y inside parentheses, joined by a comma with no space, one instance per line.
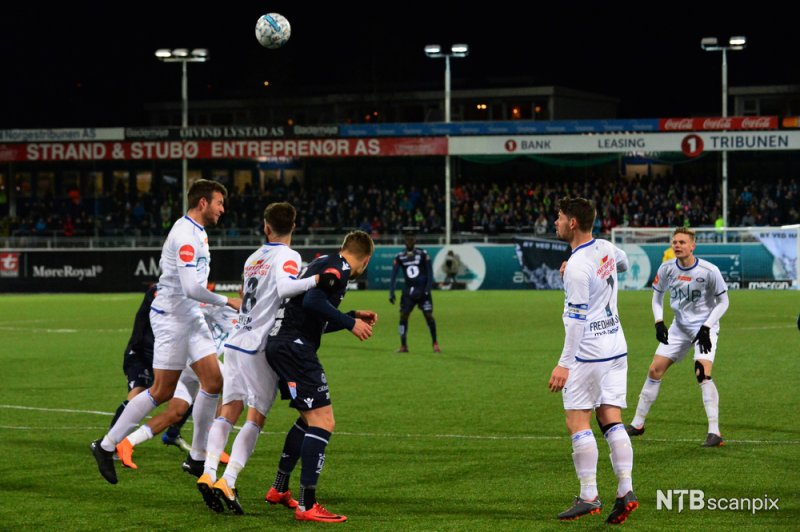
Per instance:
(541,225)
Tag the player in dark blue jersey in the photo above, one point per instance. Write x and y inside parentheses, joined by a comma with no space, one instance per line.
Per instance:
(418,276)
(292,352)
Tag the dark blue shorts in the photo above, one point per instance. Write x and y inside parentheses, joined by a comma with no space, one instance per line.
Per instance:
(301,376)
(138,370)
(407,303)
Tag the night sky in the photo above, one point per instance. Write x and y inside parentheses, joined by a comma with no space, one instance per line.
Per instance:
(86,64)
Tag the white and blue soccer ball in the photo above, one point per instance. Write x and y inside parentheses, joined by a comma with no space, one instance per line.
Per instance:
(273,30)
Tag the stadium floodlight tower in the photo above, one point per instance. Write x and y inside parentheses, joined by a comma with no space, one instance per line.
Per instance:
(183,56)
(435,51)
(711,44)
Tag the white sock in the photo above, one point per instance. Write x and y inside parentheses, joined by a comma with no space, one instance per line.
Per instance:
(133,414)
(584,456)
(205,407)
(142,434)
(243,447)
(217,439)
(621,457)
(711,402)
(646,400)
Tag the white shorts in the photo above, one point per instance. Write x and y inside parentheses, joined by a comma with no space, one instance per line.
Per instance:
(189,384)
(180,342)
(591,384)
(248,377)
(680,342)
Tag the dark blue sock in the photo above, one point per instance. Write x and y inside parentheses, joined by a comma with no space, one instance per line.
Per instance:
(313,454)
(290,455)
(432,327)
(403,331)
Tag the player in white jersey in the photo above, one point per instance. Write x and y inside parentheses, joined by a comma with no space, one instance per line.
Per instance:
(698,296)
(592,370)
(181,333)
(270,276)
(220,321)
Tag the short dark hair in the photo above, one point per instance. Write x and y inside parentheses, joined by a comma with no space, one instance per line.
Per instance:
(581,209)
(359,244)
(280,217)
(204,188)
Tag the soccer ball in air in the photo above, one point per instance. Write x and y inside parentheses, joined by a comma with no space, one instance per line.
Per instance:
(273,30)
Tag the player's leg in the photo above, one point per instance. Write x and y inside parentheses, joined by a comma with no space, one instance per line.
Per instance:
(703,364)
(164,383)
(280,493)
(406,306)
(666,355)
(649,393)
(172,436)
(139,377)
(133,413)
(609,416)
(243,447)
(217,439)
(205,408)
(234,394)
(584,459)
(247,377)
(320,423)
(581,394)
(427,310)
(175,410)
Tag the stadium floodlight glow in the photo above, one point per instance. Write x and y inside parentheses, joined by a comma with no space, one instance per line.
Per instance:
(459,50)
(434,51)
(711,44)
(183,56)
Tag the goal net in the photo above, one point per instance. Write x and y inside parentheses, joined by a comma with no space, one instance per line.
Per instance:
(748,257)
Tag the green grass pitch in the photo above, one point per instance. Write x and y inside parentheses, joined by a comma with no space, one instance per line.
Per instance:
(467,440)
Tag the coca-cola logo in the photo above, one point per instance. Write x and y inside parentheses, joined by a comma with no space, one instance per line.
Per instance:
(756,122)
(186,253)
(717,123)
(678,124)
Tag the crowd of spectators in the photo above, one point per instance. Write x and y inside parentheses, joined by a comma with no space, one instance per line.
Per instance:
(481,206)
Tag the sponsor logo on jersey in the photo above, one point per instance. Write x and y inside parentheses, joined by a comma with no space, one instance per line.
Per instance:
(684,278)
(607,267)
(291,267)
(258,267)
(186,253)
(292,389)
(655,281)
